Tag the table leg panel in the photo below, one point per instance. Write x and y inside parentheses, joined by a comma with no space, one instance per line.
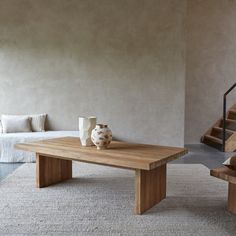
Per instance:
(232,198)
(150,188)
(50,170)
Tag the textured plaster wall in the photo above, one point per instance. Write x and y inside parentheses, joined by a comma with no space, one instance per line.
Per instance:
(210,63)
(120,60)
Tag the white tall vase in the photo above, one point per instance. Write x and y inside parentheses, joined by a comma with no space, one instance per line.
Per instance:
(86,125)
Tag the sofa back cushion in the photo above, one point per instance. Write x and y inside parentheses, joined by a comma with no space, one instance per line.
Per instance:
(15,124)
(38,122)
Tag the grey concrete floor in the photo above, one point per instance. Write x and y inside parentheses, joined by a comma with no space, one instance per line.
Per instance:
(203,154)
(198,154)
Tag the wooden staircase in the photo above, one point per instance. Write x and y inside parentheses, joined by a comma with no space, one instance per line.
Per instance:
(214,136)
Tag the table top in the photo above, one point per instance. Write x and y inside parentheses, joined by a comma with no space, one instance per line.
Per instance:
(118,154)
(224,173)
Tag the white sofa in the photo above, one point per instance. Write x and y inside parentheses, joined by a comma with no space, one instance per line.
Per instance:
(7,141)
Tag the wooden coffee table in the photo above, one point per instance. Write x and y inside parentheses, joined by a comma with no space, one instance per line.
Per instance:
(54,164)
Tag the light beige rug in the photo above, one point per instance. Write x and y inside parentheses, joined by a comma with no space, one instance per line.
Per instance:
(100,201)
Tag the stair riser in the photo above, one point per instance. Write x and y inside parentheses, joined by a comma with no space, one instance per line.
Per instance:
(232,116)
(213,144)
(219,134)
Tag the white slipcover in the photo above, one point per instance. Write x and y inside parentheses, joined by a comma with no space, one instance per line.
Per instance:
(8,140)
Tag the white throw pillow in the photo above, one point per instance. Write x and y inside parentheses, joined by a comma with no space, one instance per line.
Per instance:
(38,122)
(0,127)
(15,124)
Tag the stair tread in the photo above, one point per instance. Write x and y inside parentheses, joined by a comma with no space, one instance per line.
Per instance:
(213,138)
(234,121)
(221,129)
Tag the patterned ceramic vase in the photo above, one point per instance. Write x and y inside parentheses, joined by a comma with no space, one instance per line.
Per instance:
(101,136)
(86,125)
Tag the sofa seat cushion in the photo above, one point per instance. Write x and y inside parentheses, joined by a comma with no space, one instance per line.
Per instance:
(8,140)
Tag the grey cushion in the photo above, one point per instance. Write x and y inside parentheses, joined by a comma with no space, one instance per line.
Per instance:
(38,122)
(14,124)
